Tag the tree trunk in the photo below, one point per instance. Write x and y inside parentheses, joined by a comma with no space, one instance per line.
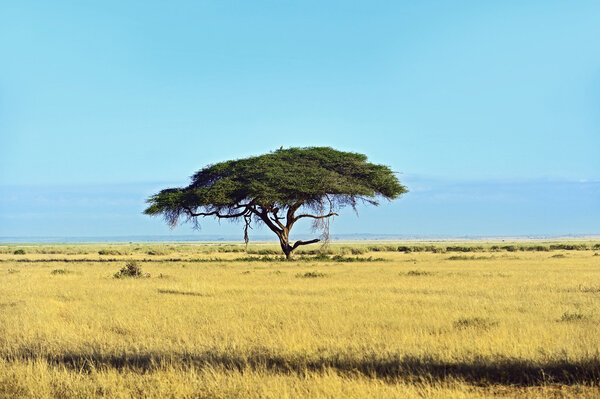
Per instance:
(285,245)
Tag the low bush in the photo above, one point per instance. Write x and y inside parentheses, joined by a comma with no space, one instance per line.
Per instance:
(131,269)
(19,252)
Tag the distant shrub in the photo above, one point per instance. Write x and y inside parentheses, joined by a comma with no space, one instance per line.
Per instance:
(403,248)
(558,256)
(509,248)
(321,257)
(310,275)
(264,251)
(539,248)
(60,271)
(340,258)
(593,290)
(474,322)
(19,252)
(568,316)
(156,252)
(458,257)
(131,269)
(463,249)
(472,257)
(568,247)
(255,259)
(417,273)
(109,252)
(233,249)
(178,292)
(596,247)
(357,251)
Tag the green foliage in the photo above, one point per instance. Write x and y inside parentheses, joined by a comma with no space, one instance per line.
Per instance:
(313,177)
(19,252)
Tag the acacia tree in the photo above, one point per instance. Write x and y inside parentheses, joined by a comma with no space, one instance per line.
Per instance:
(279,189)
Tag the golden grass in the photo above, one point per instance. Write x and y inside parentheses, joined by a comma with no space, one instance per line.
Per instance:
(211,323)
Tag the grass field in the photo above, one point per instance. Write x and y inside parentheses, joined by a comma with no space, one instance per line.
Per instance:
(439,320)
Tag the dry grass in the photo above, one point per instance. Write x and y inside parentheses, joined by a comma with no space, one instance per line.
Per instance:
(212,323)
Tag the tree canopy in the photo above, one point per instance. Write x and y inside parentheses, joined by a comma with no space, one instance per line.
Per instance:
(271,188)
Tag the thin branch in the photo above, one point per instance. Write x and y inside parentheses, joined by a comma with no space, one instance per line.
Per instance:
(316,217)
(275,219)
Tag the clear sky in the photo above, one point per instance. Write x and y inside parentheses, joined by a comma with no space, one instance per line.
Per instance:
(488,110)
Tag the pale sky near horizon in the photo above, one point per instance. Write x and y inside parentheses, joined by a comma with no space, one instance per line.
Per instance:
(489,111)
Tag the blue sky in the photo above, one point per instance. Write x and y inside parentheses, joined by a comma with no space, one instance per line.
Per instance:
(488,110)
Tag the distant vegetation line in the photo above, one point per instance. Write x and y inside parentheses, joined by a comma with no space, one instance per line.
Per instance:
(267,238)
(324,251)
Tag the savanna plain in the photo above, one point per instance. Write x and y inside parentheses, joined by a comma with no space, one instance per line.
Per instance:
(351,320)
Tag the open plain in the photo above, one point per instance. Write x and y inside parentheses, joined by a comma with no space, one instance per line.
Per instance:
(420,319)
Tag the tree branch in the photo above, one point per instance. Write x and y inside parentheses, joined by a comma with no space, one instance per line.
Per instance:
(276,218)
(264,216)
(298,243)
(316,217)
(290,214)
(215,213)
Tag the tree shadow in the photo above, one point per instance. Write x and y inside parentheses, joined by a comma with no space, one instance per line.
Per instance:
(506,371)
